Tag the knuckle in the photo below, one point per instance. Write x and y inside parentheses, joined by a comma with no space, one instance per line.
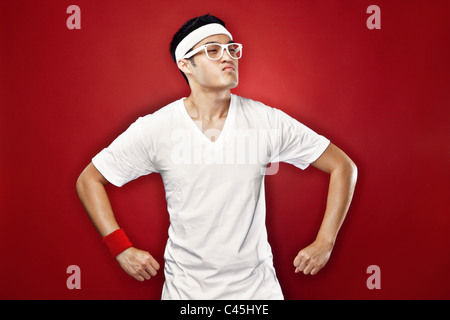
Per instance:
(141,269)
(138,269)
(136,276)
(304,255)
(135,273)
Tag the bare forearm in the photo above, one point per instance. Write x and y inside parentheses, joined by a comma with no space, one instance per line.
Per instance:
(343,174)
(340,193)
(91,189)
(93,196)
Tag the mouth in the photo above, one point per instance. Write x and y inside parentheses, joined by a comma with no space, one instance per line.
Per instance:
(229,67)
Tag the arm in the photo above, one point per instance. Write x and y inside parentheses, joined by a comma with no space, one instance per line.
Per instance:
(91,190)
(343,174)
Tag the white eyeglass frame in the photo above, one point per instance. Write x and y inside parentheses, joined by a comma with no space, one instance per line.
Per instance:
(223,46)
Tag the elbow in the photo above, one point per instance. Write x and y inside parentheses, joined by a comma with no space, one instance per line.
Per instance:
(89,178)
(347,170)
(80,183)
(351,170)
(83,181)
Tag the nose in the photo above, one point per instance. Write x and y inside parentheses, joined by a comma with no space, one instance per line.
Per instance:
(225,57)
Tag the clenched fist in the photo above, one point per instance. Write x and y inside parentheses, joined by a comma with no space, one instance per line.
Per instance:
(138,263)
(313,258)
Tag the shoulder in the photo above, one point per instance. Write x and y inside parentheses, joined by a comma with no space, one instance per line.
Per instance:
(254,106)
(157,124)
(253,109)
(250,103)
(160,120)
(163,114)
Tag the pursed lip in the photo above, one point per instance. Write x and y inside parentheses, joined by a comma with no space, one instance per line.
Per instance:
(229,67)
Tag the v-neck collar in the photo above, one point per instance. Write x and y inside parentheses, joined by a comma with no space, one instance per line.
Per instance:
(230,116)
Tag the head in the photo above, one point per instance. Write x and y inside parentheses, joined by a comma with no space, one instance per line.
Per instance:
(198,69)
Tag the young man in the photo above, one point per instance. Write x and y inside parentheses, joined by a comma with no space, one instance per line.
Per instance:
(212,150)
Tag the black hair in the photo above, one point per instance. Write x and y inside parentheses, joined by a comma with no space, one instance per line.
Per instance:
(187,28)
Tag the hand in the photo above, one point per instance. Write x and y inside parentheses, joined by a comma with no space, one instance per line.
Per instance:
(138,263)
(312,258)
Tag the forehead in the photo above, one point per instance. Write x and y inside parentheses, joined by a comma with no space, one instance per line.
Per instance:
(218,38)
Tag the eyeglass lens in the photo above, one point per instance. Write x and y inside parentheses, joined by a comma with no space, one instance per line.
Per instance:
(215,51)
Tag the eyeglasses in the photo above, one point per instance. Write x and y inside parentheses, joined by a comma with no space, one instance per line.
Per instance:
(214,51)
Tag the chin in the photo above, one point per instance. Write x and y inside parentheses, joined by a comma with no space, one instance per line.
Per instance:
(223,84)
(234,84)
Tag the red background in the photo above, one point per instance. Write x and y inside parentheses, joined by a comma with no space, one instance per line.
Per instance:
(380,95)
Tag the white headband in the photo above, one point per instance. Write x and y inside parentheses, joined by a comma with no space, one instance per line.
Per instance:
(198,35)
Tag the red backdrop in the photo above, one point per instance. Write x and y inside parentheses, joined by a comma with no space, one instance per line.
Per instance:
(380,95)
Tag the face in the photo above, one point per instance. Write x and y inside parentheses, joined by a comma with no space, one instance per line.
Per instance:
(213,74)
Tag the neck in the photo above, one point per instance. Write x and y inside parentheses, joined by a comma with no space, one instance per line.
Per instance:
(208,105)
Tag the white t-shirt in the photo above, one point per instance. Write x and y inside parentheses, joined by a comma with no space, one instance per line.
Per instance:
(217,246)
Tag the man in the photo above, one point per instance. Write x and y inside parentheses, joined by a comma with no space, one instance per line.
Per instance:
(212,150)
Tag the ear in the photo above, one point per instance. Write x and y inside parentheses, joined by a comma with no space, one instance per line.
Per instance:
(185,66)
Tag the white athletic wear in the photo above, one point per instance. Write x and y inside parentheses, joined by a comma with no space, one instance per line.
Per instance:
(217,246)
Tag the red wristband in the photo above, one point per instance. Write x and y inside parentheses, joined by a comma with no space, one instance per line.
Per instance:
(117,241)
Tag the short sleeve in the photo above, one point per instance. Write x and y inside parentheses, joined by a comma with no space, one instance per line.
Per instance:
(294,143)
(127,158)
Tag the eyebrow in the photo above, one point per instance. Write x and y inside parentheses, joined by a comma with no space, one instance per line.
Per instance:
(231,41)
